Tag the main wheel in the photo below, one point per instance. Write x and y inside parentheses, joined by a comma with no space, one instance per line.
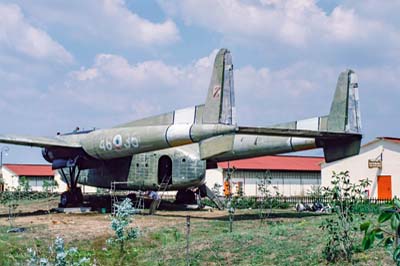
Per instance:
(185,197)
(72,198)
(64,199)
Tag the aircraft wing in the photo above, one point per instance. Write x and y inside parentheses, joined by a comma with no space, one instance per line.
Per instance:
(37,141)
(301,133)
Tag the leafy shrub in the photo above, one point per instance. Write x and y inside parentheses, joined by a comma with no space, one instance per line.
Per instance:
(59,256)
(23,184)
(252,203)
(120,222)
(49,185)
(389,238)
(366,207)
(316,192)
(341,226)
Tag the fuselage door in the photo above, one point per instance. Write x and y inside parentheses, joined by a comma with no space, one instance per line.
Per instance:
(165,170)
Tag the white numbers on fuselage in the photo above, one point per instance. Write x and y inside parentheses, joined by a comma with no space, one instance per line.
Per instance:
(131,142)
(118,142)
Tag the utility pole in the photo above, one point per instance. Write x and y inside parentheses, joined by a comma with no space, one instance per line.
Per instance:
(4,150)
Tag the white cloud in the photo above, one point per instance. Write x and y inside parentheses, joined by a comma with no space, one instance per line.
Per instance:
(139,89)
(109,21)
(136,29)
(151,87)
(150,76)
(16,34)
(296,23)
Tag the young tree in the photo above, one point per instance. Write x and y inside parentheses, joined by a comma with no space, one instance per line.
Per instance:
(49,185)
(120,222)
(265,198)
(341,226)
(23,184)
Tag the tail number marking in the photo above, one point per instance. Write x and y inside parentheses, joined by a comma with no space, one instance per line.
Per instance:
(216,91)
(116,143)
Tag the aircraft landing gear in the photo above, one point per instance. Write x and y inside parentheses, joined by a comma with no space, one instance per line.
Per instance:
(185,197)
(73,197)
(189,197)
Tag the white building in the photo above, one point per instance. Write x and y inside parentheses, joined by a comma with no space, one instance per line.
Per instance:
(379,161)
(36,175)
(289,175)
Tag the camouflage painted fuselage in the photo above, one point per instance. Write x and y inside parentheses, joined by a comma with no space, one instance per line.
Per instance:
(182,144)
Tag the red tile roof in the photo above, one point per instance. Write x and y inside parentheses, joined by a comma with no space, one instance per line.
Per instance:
(390,139)
(30,169)
(395,140)
(288,163)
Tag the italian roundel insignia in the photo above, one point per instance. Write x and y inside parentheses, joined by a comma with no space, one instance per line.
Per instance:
(117,141)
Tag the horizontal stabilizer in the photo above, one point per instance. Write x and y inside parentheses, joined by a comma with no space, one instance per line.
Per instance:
(36,141)
(287,132)
(338,133)
(337,149)
(215,146)
(336,145)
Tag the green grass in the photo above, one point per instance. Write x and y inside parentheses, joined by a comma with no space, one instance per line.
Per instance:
(286,238)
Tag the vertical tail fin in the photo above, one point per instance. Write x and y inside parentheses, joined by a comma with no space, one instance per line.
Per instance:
(344,117)
(220,103)
(345,109)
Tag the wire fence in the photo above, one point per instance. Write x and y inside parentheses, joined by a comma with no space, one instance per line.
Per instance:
(293,200)
(324,200)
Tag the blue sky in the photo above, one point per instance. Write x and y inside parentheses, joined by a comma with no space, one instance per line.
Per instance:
(97,63)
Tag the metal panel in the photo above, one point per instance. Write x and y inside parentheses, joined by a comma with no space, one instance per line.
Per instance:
(143,170)
(228,115)
(308,124)
(184,116)
(354,117)
(179,134)
(302,143)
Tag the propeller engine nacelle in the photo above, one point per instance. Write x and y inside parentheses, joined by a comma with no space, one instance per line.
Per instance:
(66,157)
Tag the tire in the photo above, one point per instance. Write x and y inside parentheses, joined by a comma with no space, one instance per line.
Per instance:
(64,199)
(185,197)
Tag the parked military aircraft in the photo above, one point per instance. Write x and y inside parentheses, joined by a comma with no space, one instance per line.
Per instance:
(173,150)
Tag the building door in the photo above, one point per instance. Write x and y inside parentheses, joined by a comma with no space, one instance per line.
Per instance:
(384,187)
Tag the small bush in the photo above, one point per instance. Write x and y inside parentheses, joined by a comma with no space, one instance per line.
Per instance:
(120,222)
(59,256)
(341,226)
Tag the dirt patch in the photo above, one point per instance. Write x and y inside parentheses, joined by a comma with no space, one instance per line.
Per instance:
(41,223)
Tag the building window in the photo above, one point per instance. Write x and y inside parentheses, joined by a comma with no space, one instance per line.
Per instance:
(36,182)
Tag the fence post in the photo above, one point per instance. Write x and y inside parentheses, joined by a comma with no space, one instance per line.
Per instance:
(187,239)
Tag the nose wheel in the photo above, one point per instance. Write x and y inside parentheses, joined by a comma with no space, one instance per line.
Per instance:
(73,197)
